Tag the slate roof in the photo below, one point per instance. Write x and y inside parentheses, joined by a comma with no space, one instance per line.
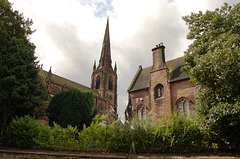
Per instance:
(70,84)
(141,79)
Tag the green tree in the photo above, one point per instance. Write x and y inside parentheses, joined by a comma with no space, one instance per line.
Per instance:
(213,62)
(22,89)
(72,107)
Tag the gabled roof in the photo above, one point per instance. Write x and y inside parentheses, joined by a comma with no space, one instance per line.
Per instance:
(141,79)
(70,84)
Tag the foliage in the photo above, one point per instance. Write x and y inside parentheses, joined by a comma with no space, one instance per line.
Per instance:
(57,138)
(178,134)
(45,138)
(120,140)
(96,137)
(20,132)
(213,63)
(65,138)
(181,134)
(72,107)
(224,122)
(22,89)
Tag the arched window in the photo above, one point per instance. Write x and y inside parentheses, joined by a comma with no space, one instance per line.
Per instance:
(110,84)
(98,83)
(158,91)
(144,113)
(141,113)
(183,105)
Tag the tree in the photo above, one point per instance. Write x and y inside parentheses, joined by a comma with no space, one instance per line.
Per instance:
(72,107)
(213,62)
(22,89)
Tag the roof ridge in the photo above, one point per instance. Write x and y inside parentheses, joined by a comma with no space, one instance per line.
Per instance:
(175,59)
(65,79)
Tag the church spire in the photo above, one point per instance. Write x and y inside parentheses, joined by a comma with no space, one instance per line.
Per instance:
(105,59)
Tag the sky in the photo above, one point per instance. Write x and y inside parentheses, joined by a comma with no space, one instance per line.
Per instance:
(69,34)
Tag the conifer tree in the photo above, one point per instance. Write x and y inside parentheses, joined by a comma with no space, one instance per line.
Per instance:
(22,89)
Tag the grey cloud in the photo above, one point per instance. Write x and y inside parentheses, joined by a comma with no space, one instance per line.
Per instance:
(79,53)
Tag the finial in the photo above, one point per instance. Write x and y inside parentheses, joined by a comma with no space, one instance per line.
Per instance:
(50,70)
(94,65)
(115,67)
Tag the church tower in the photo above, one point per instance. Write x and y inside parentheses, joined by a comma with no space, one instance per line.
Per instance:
(104,80)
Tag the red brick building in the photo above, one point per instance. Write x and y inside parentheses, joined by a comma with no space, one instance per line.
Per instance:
(103,84)
(160,89)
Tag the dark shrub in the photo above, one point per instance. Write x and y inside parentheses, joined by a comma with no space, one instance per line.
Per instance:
(20,132)
(72,107)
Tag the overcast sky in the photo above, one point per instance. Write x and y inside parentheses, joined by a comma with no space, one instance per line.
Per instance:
(69,34)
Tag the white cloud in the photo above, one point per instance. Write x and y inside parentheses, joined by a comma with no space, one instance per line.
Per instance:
(70,33)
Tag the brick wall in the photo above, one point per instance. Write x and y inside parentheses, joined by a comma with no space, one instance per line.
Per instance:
(139,98)
(185,89)
(161,107)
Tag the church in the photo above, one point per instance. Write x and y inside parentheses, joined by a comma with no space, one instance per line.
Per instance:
(103,82)
(161,89)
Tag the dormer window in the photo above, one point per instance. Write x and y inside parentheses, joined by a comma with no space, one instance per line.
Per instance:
(158,91)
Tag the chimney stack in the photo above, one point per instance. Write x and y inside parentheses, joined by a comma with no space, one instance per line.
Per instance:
(158,57)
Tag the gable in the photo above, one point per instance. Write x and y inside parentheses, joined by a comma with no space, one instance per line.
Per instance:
(141,79)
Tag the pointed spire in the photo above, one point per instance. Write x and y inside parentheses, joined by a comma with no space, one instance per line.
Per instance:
(105,59)
(94,65)
(115,67)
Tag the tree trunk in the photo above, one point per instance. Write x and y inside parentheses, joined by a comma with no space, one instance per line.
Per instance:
(3,124)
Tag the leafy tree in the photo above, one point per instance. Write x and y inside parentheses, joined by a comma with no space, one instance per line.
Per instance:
(72,107)
(213,62)
(22,89)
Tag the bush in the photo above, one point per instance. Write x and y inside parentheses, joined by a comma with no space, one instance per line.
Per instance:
(186,134)
(72,107)
(21,132)
(133,137)
(177,134)
(120,140)
(65,138)
(45,138)
(57,138)
(97,136)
